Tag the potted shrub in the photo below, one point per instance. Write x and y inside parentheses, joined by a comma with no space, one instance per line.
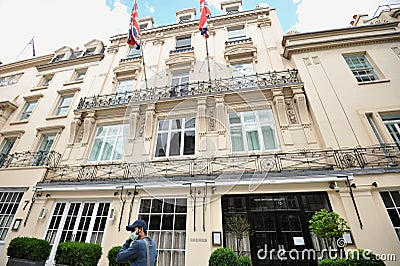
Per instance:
(328,226)
(112,255)
(24,251)
(240,227)
(245,261)
(78,254)
(223,257)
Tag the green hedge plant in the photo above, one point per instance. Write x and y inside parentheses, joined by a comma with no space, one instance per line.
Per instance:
(364,258)
(112,255)
(78,254)
(29,248)
(245,261)
(223,257)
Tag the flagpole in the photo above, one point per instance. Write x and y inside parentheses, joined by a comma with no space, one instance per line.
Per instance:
(144,65)
(208,61)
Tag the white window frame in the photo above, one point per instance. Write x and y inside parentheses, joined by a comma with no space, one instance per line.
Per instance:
(236,33)
(183,45)
(243,127)
(395,208)
(160,235)
(62,106)
(7,214)
(54,234)
(169,130)
(392,124)
(125,85)
(361,67)
(80,74)
(118,139)
(46,80)
(28,110)
(133,52)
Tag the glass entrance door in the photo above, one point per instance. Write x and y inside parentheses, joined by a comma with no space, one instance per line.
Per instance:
(279,226)
(76,222)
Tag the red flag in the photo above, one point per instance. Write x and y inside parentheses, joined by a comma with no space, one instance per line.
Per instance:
(134,29)
(205,13)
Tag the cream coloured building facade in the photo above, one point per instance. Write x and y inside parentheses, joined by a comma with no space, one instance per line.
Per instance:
(272,127)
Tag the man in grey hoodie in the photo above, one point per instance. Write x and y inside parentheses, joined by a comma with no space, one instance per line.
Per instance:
(139,249)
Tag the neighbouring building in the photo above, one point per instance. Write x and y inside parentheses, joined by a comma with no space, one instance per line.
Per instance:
(184,134)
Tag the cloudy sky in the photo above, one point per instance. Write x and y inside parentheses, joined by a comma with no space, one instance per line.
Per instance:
(55,23)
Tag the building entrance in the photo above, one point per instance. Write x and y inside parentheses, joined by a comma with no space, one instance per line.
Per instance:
(279,222)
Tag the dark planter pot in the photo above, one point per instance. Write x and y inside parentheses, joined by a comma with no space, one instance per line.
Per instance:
(23,262)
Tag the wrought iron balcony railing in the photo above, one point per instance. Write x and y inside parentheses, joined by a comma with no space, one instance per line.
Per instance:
(387,156)
(131,58)
(181,50)
(222,85)
(27,158)
(238,41)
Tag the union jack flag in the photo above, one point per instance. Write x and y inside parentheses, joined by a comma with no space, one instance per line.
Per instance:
(205,13)
(134,29)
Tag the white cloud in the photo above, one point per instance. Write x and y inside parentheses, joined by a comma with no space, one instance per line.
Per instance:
(320,15)
(55,23)
(296,1)
(215,3)
(150,8)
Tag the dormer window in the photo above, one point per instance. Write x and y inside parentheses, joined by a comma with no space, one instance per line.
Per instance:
(184,19)
(89,51)
(58,58)
(232,10)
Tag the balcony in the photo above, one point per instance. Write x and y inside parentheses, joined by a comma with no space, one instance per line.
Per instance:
(284,164)
(225,85)
(244,40)
(182,50)
(27,158)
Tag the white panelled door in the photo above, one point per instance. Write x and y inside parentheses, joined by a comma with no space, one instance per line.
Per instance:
(76,222)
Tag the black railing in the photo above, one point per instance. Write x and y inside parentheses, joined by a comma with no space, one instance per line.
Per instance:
(238,41)
(222,85)
(181,50)
(387,156)
(27,158)
(131,58)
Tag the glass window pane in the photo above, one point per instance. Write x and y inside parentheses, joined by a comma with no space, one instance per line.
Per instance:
(253,140)
(119,149)
(161,146)
(269,137)
(387,199)
(176,124)
(234,118)
(163,124)
(190,123)
(249,117)
(189,143)
(237,139)
(394,216)
(107,149)
(175,144)
(396,198)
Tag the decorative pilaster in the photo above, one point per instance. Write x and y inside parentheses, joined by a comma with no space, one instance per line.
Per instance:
(301,104)
(88,125)
(134,117)
(221,118)
(202,122)
(75,127)
(279,102)
(150,120)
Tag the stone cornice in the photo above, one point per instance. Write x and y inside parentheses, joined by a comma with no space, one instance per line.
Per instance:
(70,62)
(222,20)
(338,38)
(24,64)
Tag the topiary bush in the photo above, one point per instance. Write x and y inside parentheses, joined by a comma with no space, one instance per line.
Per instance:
(29,248)
(364,258)
(245,261)
(112,255)
(78,254)
(223,257)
